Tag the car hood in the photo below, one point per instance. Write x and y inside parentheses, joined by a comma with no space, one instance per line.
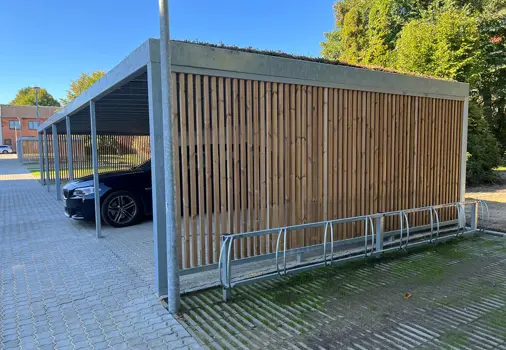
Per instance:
(88,180)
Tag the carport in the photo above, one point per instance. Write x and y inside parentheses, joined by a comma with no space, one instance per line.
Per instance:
(126,101)
(262,142)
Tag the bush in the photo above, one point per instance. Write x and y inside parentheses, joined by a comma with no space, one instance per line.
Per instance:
(483,151)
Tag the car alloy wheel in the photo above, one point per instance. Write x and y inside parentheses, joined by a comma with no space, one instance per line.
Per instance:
(122,209)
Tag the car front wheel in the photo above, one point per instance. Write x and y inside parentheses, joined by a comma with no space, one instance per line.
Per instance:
(121,209)
(5,152)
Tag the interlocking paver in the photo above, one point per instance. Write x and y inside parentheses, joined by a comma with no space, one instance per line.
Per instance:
(61,288)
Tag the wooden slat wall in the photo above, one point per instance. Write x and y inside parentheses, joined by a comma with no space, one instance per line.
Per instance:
(254,155)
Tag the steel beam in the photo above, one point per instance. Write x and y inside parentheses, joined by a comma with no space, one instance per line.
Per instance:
(19,150)
(463,155)
(474,216)
(173,295)
(56,158)
(96,183)
(69,148)
(41,159)
(157,177)
(46,159)
(379,231)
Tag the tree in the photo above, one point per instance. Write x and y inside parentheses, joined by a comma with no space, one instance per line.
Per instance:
(26,97)
(443,43)
(82,83)
(490,82)
(463,40)
(483,152)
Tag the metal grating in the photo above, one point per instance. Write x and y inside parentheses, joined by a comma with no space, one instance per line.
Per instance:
(458,302)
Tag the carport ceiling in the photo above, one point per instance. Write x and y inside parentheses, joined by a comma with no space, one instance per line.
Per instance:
(122,111)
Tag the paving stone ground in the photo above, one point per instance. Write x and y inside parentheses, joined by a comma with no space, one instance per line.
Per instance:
(61,288)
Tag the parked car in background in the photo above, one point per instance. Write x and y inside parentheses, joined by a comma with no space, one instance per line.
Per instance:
(125,196)
(4,149)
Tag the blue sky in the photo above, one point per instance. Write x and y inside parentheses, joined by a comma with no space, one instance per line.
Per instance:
(49,43)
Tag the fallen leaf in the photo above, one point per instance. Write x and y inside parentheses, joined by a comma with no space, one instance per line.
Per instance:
(407,295)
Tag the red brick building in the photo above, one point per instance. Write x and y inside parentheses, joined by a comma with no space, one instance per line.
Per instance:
(17,121)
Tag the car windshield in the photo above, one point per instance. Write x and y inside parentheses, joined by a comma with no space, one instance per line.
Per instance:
(143,166)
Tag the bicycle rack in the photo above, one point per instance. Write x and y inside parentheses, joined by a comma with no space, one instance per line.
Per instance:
(373,240)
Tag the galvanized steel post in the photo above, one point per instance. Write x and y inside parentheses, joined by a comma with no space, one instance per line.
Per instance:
(166,78)
(96,183)
(474,216)
(56,158)
(463,155)
(69,148)
(39,141)
(46,159)
(379,230)
(19,150)
(157,177)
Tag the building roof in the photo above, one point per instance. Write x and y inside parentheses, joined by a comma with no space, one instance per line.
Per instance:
(11,111)
(122,97)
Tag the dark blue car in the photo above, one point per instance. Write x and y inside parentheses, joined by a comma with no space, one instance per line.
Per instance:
(125,196)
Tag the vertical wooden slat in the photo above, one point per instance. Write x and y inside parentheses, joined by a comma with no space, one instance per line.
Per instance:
(315,164)
(200,169)
(236,159)
(243,165)
(216,168)
(384,153)
(257,165)
(375,161)
(415,153)
(281,157)
(301,157)
(250,165)
(361,132)
(400,190)
(268,161)
(345,160)
(438,152)
(184,166)
(335,141)
(353,157)
(309,158)
(294,157)
(367,153)
(192,177)
(340,162)
(329,131)
(393,159)
(434,155)
(263,180)
(452,150)
(325,153)
(273,149)
(229,132)
(209,175)
(222,155)
(287,158)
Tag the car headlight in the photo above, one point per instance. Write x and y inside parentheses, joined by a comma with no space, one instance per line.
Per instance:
(84,191)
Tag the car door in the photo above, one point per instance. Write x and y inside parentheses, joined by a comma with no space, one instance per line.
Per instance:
(147,191)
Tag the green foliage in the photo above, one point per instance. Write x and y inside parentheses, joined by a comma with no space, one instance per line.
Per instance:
(444,43)
(82,83)
(483,149)
(463,40)
(416,47)
(26,97)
